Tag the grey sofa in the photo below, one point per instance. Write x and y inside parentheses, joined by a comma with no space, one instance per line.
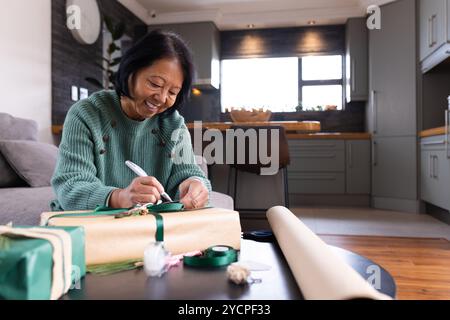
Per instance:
(22,204)
(19,203)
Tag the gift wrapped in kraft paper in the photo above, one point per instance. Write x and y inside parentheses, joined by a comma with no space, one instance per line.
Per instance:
(40,263)
(110,240)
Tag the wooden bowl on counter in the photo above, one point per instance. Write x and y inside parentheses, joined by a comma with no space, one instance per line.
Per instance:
(250,116)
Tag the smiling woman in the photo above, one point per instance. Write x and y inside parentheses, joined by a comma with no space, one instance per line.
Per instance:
(133,123)
(154,89)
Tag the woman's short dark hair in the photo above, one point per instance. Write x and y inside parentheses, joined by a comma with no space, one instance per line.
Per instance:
(156,45)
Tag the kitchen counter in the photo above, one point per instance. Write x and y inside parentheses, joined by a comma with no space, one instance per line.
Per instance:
(432,132)
(305,130)
(290,126)
(303,126)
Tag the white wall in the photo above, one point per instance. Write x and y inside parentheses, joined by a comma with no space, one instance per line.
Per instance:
(25,62)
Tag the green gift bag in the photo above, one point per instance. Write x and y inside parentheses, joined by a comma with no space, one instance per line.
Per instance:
(40,263)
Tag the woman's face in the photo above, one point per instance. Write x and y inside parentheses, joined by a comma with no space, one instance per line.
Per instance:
(155,89)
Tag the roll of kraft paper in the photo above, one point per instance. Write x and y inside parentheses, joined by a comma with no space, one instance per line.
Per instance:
(319,273)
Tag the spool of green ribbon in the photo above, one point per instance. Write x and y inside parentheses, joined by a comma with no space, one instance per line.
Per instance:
(216,256)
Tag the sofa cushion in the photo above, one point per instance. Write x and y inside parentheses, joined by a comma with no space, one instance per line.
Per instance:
(23,206)
(12,128)
(8,177)
(33,161)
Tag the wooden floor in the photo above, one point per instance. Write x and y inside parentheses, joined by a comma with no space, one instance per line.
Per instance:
(420,267)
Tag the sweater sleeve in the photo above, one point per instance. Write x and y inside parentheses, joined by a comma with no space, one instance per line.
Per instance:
(184,165)
(74,181)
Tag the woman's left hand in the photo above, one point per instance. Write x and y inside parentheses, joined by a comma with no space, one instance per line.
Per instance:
(193,194)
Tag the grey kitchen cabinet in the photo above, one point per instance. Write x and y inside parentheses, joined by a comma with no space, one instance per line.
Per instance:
(328,167)
(433,26)
(394,166)
(434,32)
(358,163)
(317,182)
(392,109)
(435,172)
(203,39)
(317,156)
(317,167)
(356,60)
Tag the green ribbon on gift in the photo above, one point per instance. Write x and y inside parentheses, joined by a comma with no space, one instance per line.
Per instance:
(213,257)
(123,213)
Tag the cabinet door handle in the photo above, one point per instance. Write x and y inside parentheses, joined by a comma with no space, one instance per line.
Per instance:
(374,154)
(353,75)
(430,28)
(431,31)
(317,178)
(430,166)
(374,111)
(350,156)
(447,124)
(318,156)
(435,167)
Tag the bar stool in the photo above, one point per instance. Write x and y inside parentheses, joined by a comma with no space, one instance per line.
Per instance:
(256,168)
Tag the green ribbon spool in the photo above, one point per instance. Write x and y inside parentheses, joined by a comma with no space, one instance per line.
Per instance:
(216,256)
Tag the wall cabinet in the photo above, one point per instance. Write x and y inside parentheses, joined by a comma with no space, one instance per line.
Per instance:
(203,39)
(435,172)
(432,26)
(356,60)
(434,32)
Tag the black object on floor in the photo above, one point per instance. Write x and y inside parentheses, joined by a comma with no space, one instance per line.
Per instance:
(260,236)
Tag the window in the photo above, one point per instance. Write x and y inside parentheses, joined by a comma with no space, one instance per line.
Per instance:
(321,83)
(270,83)
(278,84)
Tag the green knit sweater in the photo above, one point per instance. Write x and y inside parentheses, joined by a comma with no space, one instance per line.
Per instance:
(97,140)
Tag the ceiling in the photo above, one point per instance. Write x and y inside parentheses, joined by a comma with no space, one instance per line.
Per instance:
(238,14)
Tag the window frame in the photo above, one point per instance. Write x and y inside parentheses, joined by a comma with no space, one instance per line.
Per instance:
(302,83)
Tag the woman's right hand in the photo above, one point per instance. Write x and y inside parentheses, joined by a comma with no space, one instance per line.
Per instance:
(141,190)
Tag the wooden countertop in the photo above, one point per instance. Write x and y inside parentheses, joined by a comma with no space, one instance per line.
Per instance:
(309,130)
(432,132)
(306,130)
(304,126)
